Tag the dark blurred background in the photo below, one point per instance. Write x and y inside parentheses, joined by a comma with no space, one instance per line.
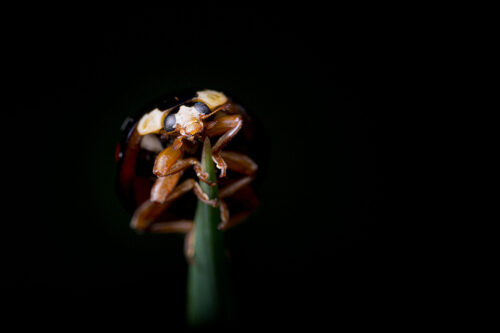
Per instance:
(318,236)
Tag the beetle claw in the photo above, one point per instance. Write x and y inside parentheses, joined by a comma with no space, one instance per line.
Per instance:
(206,181)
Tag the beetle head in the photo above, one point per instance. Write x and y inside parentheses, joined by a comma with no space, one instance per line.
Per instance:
(188,120)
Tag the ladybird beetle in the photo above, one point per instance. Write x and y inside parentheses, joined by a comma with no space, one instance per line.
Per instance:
(159,155)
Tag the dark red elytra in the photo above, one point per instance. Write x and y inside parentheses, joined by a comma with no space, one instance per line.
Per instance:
(118,152)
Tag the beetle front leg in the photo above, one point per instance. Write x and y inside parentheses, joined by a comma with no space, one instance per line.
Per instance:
(181,165)
(229,126)
(167,158)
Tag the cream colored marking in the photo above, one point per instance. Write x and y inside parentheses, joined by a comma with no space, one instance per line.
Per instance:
(152,143)
(151,122)
(186,115)
(212,98)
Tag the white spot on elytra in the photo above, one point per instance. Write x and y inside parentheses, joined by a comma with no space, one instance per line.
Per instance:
(152,143)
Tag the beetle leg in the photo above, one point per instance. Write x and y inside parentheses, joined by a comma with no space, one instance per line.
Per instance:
(234,187)
(163,186)
(145,214)
(179,226)
(228,221)
(167,158)
(188,185)
(149,211)
(246,195)
(189,245)
(239,163)
(224,214)
(181,165)
(233,220)
(228,126)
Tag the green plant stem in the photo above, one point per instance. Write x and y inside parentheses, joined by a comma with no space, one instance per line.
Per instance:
(208,290)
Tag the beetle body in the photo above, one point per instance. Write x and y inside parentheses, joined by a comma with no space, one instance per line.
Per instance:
(158,160)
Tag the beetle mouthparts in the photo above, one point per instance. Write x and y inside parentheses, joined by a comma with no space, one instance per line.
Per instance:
(193,127)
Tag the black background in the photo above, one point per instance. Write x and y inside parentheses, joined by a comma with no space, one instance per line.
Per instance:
(316,244)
